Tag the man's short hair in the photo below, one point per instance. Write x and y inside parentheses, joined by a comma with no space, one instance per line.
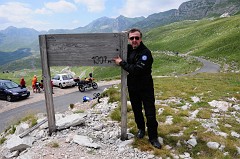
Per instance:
(134,30)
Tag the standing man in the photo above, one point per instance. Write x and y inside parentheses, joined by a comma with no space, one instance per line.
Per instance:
(140,85)
(34,81)
(22,83)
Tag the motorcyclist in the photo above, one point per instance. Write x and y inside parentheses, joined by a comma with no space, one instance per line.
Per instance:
(90,78)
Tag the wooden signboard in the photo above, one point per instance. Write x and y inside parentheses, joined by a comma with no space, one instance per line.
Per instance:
(83,49)
(90,49)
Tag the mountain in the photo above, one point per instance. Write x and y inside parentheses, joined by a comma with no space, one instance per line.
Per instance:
(191,10)
(103,25)
(8,57)
(12,38)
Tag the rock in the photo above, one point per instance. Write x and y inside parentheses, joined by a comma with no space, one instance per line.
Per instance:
(70,120)
(235,134)
(98,127)
(195,99)
(21,128)
(160,111)
(85,141)
(238,150)
(213,145)
(194,114)
(169,120)
(192,142)
(220,105)
(15,143)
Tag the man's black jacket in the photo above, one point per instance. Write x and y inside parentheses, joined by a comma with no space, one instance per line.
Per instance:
(139,66)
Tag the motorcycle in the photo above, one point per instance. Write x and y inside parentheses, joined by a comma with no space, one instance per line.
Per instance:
(85,84)
(38,87)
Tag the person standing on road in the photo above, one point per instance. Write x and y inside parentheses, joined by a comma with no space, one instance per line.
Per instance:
(140,85)
(34,81)
(22,83)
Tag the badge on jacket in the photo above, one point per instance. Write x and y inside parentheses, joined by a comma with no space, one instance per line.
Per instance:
(144,57)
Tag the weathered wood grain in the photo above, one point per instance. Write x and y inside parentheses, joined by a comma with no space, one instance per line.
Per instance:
(92,49)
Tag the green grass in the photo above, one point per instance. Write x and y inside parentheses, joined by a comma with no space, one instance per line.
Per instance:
(2,140)
(216,39)
(208,87)
(53,144)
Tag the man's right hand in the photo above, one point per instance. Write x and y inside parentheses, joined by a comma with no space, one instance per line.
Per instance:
(117,60)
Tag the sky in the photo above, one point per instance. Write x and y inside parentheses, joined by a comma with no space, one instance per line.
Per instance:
(43,15)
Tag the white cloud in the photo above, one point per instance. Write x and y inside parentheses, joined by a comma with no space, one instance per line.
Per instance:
(93,5)
(135,8)
(18,14)
(15,12)
(43,11)
(61,6)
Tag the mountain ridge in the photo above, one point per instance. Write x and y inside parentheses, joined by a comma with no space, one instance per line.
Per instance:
(12,38)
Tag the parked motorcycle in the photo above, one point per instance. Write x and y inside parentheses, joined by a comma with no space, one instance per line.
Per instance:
(38,87)
(86,84)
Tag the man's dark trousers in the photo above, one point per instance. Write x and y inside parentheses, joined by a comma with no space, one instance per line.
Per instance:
(146,98)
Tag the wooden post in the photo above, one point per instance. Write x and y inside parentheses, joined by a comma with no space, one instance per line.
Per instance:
(47,84)
(124,90)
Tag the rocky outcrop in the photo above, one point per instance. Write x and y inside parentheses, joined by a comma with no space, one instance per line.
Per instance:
(198,9)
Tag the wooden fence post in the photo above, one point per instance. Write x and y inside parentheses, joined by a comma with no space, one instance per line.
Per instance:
(47,84)
(124,90)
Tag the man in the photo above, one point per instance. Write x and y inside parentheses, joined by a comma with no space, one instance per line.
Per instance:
(140,85)
(34,81)
(22,83)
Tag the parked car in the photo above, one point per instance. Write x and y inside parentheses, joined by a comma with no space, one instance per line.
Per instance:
(11,91)
(63,80)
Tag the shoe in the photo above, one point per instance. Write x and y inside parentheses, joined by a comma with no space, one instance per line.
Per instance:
(156,143)
(140,134)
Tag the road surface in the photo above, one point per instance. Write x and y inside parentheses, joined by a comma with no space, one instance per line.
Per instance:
(208,67)
(61,104)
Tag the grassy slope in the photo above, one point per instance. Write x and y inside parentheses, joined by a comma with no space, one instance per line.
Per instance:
(174,92)
(217,39)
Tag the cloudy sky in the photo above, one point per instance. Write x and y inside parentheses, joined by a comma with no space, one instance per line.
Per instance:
(70,14)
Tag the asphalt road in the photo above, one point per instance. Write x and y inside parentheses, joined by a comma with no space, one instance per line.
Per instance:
(61,104)
(208,66)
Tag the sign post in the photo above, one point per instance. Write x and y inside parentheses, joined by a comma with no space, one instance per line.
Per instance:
(89,49)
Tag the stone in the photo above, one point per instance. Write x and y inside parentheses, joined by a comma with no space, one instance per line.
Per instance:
(70,120)
(85,141)
(15,143)
(192,142)
(213,145)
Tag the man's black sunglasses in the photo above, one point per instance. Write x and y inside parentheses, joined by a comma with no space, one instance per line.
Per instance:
(136,37)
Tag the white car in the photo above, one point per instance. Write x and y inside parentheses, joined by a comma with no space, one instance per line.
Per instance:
(63,80)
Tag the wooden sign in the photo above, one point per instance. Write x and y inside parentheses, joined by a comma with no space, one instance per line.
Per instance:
(90,49)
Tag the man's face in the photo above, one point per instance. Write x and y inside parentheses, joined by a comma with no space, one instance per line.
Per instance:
(134,39)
